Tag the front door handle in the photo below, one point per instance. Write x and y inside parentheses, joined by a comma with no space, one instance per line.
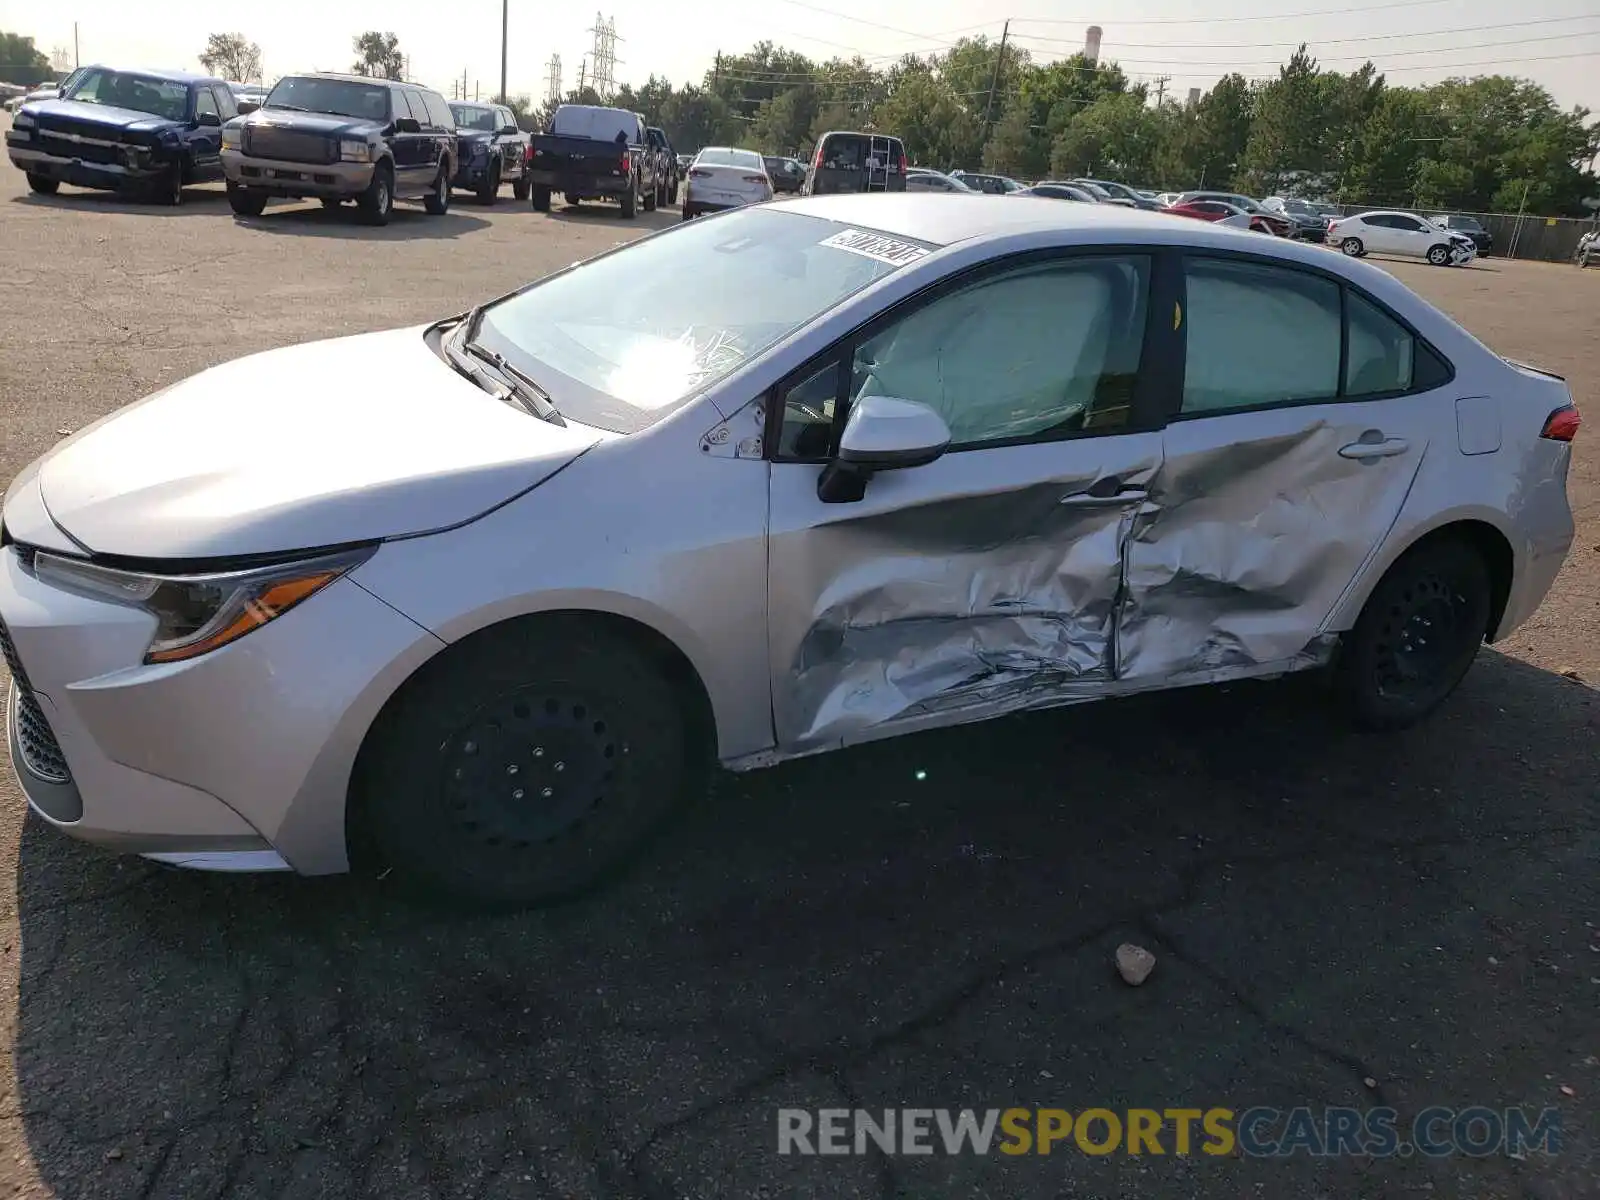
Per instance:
(1387,448)
(1115,500)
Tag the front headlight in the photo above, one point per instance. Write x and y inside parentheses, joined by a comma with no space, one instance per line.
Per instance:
(23,120)
(232,137)
(355,152)
(196,614)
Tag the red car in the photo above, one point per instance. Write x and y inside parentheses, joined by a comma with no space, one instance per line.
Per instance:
(1217,210)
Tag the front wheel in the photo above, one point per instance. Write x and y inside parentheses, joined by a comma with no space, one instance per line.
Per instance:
(1417,636)
(169,188)
(244,202)
(1439,256)
(1353,247)
(437,201)
(524,764)
(377,202)
(42,184)
(489,190)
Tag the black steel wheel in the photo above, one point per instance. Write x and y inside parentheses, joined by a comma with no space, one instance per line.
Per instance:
(525,764)
(1417,636)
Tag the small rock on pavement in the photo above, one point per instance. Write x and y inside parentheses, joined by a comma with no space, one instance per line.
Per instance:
(1568,1090)
(1134,963)
(114,1154)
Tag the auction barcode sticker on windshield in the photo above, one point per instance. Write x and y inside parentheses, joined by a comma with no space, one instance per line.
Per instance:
(876,245)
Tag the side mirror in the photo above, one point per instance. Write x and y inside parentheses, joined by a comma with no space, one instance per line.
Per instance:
(882,433)
(208,121)
(407,125)
(246,107)
(509,129)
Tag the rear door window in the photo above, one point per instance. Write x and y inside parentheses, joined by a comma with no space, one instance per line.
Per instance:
(438,111)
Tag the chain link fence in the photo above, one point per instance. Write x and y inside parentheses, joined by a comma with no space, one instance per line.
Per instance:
(1542,239)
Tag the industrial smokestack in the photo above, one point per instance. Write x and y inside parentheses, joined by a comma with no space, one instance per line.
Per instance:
(1194,97)
(1091,44)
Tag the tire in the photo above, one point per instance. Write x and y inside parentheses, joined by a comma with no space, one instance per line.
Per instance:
(489,192)
(522,187)
(244,202)
(541,199)
(524,765)
(688,213)
(1353,247)
(168,189)
(650,199)
(437,201)
(1416,636)
(1439,256)
(43,184)
(377,202)
(630,202)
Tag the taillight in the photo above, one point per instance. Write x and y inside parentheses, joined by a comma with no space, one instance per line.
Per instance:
(816,158)
(754,178)
(697,173)
(900,163)
(624,165)
(527,153)
(1562,425)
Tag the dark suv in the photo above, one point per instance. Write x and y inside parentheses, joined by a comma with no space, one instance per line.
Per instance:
(338,138)
(494,150)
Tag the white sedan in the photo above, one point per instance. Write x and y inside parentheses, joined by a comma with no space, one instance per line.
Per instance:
(723,177)
(486,595)
(1400,233)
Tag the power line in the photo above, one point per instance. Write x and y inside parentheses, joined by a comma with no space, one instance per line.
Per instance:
(1212,20)
(1321,41)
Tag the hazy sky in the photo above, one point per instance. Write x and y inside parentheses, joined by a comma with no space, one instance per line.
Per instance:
(1556,42)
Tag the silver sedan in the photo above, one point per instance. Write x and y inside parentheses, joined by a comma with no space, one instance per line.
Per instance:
(485,595)
(722,177)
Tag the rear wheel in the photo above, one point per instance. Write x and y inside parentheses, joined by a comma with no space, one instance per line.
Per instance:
(630,202)
(437,202)
(42,184)
(688,213)
(522,187)
(377,202)
(541,199)
(489,190)
(650,199)
(244,202)
(1417,636)
(1353,247)
(1439,256)
(525,764)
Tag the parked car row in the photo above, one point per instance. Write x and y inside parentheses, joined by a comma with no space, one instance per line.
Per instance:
(336,138)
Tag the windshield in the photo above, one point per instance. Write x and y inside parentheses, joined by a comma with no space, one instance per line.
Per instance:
(1094,189)
(141,93)
(1299,208)
(718,157)
(340,97)
(473,116)
(1468,223)
(619,342)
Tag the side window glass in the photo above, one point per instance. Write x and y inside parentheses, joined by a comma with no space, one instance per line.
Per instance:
(205,102)
(1040,351)
(227,109)
(808,409)
(438,111)
(1382,353)
(402,107)
(1258,335)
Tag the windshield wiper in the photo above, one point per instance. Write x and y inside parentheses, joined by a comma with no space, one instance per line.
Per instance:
(518,386)
(289,107)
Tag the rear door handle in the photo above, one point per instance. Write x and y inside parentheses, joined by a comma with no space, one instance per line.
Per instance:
(1115,500)
(1387,448)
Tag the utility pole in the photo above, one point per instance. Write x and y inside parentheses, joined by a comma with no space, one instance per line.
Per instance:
(1161,88)
(75,63)
(505,26)
(716,75)
(994,80)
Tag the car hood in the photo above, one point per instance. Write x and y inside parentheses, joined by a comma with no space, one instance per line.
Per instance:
(327,124)
(347,440)
(103,115)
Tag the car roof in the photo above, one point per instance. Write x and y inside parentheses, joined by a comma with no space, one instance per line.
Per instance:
(944,220)
(349,77)
(158,73)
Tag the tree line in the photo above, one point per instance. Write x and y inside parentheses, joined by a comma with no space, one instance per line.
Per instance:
(1483,144)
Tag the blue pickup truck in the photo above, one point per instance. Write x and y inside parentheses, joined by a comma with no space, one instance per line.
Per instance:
(139,132)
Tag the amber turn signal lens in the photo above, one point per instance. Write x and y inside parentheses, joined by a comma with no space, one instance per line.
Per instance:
(271,603)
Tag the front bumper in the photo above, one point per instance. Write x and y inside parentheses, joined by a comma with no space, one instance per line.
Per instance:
(280,177)
(247,750)
(470,174)
(136,169)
